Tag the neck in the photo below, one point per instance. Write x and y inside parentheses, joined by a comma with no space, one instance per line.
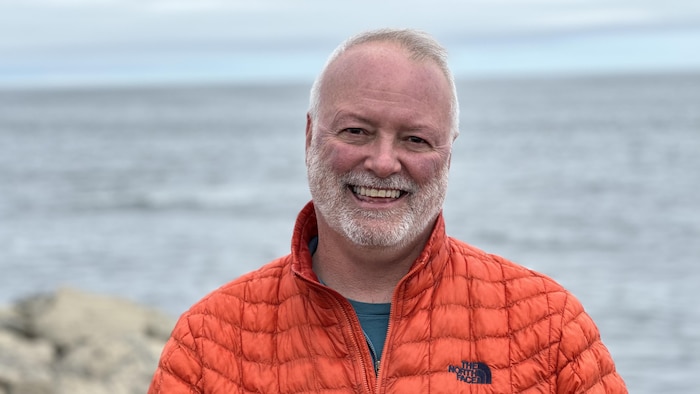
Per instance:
(361,273)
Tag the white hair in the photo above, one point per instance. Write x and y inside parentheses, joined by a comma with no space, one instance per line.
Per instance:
(420,45)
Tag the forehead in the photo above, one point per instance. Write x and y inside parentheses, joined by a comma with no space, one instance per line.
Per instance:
(385,71)
(382,60)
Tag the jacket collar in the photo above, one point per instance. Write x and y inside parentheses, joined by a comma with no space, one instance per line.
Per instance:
(434,252)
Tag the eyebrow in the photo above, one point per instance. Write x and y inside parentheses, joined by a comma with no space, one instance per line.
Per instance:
(345,116)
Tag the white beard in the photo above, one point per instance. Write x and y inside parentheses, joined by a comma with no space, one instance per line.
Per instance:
(368,227)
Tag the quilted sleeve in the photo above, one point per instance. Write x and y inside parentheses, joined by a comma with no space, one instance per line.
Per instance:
(179,369)
(584,363)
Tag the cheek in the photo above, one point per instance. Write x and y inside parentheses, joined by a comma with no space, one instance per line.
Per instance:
(341,157)
(427,169)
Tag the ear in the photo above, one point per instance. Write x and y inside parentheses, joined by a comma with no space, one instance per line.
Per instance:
(309,127)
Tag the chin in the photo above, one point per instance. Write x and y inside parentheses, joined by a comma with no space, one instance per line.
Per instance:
(380,230)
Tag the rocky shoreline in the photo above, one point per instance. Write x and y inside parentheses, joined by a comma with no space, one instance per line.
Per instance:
(75,342)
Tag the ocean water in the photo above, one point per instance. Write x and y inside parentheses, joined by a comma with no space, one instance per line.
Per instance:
(162,194)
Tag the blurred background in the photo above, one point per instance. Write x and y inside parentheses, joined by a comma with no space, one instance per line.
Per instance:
(154,149)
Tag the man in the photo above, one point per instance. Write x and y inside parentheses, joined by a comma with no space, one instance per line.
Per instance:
(374,296)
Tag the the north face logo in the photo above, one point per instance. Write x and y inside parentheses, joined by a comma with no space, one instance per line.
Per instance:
(472,372)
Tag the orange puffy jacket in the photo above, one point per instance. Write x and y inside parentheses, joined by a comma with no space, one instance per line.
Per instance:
(461,321)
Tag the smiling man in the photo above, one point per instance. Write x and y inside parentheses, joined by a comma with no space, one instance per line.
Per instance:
(375,297)
(379,137)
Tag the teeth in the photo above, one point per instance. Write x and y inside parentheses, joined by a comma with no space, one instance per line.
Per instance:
(381,193)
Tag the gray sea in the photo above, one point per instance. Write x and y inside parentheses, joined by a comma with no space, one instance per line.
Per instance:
(162,194)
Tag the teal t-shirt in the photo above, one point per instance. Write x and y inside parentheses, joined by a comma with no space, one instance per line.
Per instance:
(374,319)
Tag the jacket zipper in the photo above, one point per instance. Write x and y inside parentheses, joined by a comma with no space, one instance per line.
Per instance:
(362,350)
(387,340)
(392,317)
(372,352)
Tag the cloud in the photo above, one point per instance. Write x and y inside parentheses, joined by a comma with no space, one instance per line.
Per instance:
(157,37)
(41,23)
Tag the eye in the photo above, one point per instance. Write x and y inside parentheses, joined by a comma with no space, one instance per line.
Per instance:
(416,140)
(417,144)
(354,135)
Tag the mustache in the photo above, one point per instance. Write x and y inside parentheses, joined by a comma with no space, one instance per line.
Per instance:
(394,182)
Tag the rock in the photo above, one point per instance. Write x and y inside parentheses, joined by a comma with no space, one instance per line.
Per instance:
(76,342)
(69,317)
(105,358)
(10,319)
(25,365)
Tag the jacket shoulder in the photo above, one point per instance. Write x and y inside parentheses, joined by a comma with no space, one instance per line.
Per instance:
(261,286)
(490,268)
(245,304)
(216,328)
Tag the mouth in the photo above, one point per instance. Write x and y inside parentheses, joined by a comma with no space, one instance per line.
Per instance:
(363,192)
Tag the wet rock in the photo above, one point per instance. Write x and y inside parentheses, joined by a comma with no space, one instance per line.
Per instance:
(76,342)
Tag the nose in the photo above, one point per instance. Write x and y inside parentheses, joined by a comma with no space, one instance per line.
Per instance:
(383,159)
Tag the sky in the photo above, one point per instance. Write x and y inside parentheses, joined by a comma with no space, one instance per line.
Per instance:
(84,42)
